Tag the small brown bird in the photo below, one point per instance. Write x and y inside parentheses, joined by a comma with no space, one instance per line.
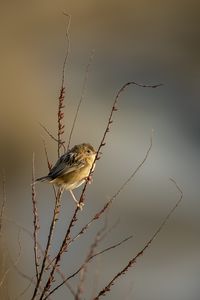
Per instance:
(72,168)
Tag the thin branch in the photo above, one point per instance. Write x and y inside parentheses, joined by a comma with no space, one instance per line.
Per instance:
(101,234)
(141,252)
(126,181)
(93,246)
(68,46)
(62,276)
(102,144)
(61,98)
(51,231)
(109,123)
(35,220)
(48,132)
(65,242)
(49,164)
(61,126)
(29,233)
(31,280)
(96,278)
(48,259)
(3,202)
(113,198)
(104,235)
(111,247)
(89,259)
(81,98)
(62,143)
(97,273)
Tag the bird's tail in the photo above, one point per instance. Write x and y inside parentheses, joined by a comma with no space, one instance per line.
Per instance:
(44,178)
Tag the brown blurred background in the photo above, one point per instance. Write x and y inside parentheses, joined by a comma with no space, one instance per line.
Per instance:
(144,41)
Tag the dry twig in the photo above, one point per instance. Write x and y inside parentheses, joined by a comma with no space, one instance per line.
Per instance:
(81,98)
(102,144)
(46,154)
(62,91)
(32,280)
(66,239)
(141,252)
(85,262)
(101,234)
(48,163)
(110,121)
(51,230)
(60,143)
(35,220)
(110,201)
(98,237)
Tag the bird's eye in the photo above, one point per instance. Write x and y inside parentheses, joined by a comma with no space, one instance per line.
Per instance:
(88,151)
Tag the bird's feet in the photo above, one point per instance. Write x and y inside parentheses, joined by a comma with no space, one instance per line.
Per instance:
(80,205)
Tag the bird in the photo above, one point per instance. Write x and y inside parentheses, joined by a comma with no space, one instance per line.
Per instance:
(72,169)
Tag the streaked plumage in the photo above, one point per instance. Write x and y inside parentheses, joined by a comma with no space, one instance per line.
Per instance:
(72,168)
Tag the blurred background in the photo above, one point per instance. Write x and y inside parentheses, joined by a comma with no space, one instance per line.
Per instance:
(145,41)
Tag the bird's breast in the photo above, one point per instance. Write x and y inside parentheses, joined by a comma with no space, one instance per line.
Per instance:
(73,179)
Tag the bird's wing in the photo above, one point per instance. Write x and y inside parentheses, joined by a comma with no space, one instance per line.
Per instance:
(66,164)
